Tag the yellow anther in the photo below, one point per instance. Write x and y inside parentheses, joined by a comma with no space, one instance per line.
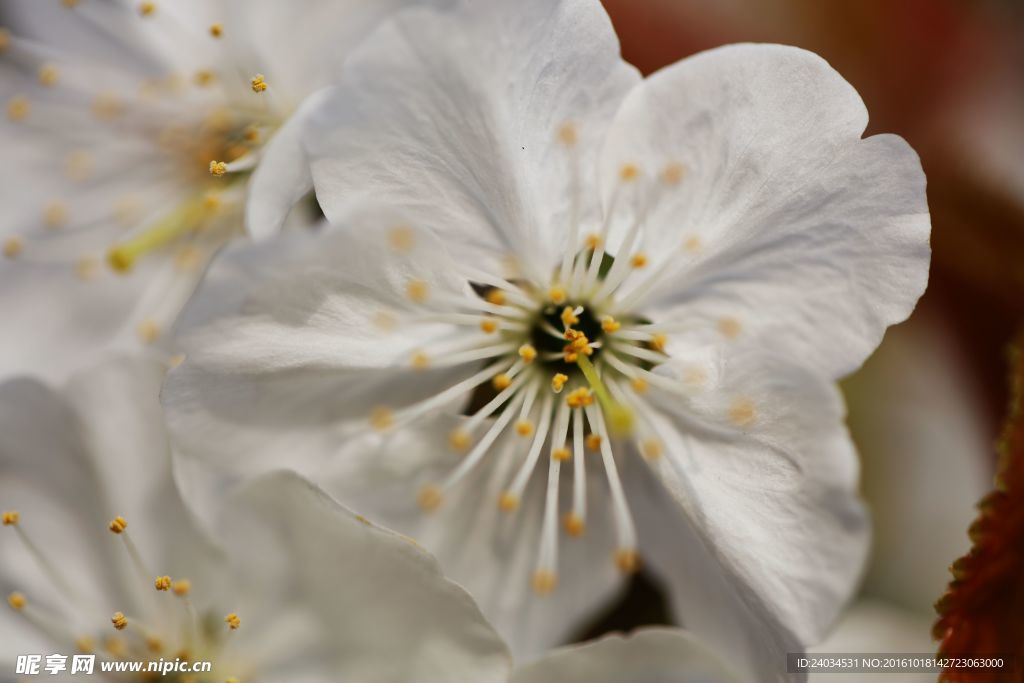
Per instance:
(420,360)
(574,525)
(216,30)
(233,621)
(567,134)
(561,454)
(119,620)
(544,581)
(147,8)
(118,525)
(638,260)
(489,325)
(508,501)
(154,644)
(114,646)
(18,108)
(5,39)
(148,331)
(121,259)
(10,517)
(402,238)
(592,242)
(459,440)
(658,342)
(85,645)
(183,655)
(162,583)
(48,75)
(384,321)
(16,600)
(610,324)
(557,294)
(430,498)
(692,244)
(651,449)
(495,296)
(578,398)
(527,353)
(629,172)
(211,201)
(204,77)
(382,418)
(258,83)
(558,382)
(742,412)
(251,134)
(501,381)
(569,317)
(417,291)
(730,327)
(181,587)
(592,442)
(524,428)
(13,246)
(218,168)
(672,173)
(627,560)
(640,385)
(55,214)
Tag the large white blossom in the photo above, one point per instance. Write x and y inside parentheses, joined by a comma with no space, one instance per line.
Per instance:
(559,292)
(98,554)
(129,131)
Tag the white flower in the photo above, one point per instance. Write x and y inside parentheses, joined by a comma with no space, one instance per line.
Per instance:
(129,130)
(718,242)
(99,555)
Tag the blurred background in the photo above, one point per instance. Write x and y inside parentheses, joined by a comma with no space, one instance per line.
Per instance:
(947,75)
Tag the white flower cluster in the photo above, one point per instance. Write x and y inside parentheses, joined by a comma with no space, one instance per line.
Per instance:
(454,265)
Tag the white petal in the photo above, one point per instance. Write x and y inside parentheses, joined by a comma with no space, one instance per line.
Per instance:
(490,552)
(646,656)
(308,354)
(455,117)
(756,524)
(283,176)
(386,612)
(810,238)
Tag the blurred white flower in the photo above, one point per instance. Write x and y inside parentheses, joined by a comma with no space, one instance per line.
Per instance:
(544,255)
(99,555)
(129,131)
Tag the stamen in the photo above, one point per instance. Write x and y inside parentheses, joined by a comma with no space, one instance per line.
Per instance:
(460,440)
(523,475)
(382,418)
(417,291)
(501,381)
(508,502)
(638,261)
(17,601)
(258,83)
(216,30)
(119,620)
(48,75)
(609,324)
(742,412)
(18,108)
(558,382)
(162,583)
(575,523)
(5,39)
(673,173)
(430,498)
(10,517)
(489,437)
(147,9)
(593,442)
(186,218)
(625,528)
(218,168)
(567,134)
(495,296)
(629,172)
(13,246)
(489,325)
(544,582)
(730,327)
(527,353)
(233,621)
(557,294)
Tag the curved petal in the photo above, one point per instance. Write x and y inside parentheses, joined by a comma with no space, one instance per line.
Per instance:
(780,226)
(754,520)
(325,340)
(455,116)
(491,552)
(283,176)
(646,656)
(386,613)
